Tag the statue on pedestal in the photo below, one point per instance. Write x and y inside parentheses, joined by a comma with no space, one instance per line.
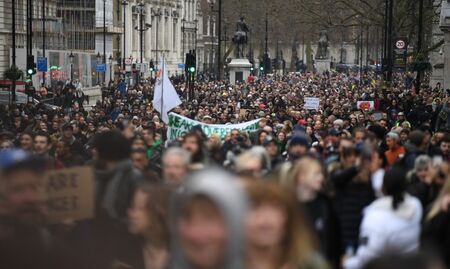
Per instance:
(322,50)
(240,38)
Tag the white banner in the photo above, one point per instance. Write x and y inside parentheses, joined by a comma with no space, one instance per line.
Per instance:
(312,103)
(179,126)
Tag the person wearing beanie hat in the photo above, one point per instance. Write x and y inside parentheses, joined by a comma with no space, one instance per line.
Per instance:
(338,124)
(297,146)
(395,149)
(271,146)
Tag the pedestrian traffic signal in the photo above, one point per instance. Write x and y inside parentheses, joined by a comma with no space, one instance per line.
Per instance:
(261,68)
(192,69)
(31,65)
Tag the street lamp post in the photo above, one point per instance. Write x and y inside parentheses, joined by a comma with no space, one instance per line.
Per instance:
(104,38)
(419,45)
(13,90)
(183,29)
(71,57)
(99,59)
(43,36)
(195,41)
(124,4)
(110,59)
(212,38)
(219,35)
(141,30)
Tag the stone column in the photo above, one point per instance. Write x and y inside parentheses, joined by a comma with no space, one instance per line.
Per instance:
(170,37)
(129,29)
(162,33)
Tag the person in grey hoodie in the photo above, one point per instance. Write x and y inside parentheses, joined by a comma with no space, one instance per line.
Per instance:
(207,223)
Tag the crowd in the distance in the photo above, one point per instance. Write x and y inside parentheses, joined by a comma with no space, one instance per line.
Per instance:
(336,187)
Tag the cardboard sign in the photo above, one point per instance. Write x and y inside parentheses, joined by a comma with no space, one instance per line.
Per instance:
(369,105)
(312,103)
(69,194)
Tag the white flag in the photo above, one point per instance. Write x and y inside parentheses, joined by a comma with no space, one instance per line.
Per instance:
(165,96)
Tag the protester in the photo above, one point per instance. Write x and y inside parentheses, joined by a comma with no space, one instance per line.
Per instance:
(391,224)
(42,147)
(436,233)
(175,166)
(307,181)
(353,193)
(25,241)
(395,149)
(276,233)
(148,219)
(265,134)
(207,223)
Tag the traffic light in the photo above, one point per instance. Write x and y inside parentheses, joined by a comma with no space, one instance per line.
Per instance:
(275,63)
(31,65)
(152,66)
(190,62)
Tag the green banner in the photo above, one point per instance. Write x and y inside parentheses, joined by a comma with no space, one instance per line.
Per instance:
(179,126)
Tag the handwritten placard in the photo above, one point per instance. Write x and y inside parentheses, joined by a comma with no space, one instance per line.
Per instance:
(69,194)
(312,103)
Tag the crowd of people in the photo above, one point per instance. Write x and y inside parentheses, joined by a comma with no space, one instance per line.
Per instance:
(340,186)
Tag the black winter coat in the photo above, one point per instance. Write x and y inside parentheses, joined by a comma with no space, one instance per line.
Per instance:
(436,236)
(350,201)
(323,220)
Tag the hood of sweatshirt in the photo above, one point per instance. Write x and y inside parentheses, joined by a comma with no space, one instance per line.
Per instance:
(406,210)
(229,197)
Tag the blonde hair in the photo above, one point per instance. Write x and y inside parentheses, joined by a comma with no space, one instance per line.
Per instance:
(436,208)
(299,243)
(300,167)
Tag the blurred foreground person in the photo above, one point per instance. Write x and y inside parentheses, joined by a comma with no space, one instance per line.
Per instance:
(354,192)
(148,220)
(436,233)
(391,224)
(103,241)
(175,166)
(207,223)
(277,236)
(416,261)
(25,242)
(306,181)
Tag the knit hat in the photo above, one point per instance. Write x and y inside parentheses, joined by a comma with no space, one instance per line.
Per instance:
(416,137)
(339,122)
(299,139)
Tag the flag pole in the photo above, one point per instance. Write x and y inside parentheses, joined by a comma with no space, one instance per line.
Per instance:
(162,84)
